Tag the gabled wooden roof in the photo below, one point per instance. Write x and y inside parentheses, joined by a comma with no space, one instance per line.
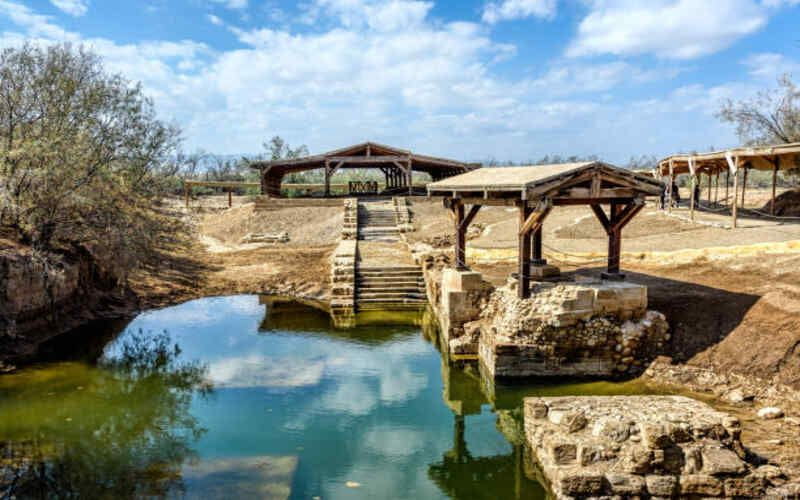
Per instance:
(365,154)
(544,180)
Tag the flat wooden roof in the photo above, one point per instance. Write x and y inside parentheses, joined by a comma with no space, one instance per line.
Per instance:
(539,179)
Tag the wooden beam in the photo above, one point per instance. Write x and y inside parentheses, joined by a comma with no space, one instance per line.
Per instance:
(601,216)
(349,160)
(776,165)
(744,184)
(535,217)
(473,211)
(461,236)
(523,265)
(625,215)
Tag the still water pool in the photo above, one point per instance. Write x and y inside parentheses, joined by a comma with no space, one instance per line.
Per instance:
(249,397)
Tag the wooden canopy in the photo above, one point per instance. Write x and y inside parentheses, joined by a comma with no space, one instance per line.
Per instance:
(396,164)
(730,161)
(536,190)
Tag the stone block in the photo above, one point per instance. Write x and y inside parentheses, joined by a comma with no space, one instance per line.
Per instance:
(625,484)
(748,487)
(454,280)
(721,461)
(545,271)
(661,486)
(564,453)
(701,485)
(582,484)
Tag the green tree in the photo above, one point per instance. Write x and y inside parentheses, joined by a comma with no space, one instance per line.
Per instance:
(771,117)
(83,158)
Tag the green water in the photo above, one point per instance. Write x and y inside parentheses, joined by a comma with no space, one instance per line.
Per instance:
(237,397)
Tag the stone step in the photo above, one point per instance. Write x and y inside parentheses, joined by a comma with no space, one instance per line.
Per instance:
(404,274)
(389,296)
(415,289)
(389,306)
(389,270)
(389,281)
(360,301)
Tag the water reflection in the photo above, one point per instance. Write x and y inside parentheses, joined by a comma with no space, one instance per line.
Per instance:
(120,429)
(298,409)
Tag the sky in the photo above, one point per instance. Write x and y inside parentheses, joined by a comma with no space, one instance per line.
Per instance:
(511,80)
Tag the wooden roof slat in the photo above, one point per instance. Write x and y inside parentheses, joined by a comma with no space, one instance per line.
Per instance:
(539,180)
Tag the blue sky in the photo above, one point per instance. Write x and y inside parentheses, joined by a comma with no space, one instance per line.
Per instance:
(472,79)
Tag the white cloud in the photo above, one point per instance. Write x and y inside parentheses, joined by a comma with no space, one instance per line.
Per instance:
(214,20)
(75,8)
(507,10)
(674,29)
(233,4)
(770,65)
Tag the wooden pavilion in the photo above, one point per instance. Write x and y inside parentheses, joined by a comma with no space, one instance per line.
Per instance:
(397,166)
(535,191)
(732,162)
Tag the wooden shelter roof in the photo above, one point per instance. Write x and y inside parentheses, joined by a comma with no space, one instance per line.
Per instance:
(782,156)
(540,180)
(364,155)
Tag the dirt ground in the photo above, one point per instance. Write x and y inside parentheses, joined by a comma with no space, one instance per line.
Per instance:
(213,261)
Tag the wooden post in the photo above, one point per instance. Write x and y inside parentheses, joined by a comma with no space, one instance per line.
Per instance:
(614,242)
(727,184)
(716,189)
(691,199)
(670,194)
(536,244)
(327,178)
(230,198)
(776,163)
(735,190)
(709,187)
(410,178)
(744,184)
(524,286)
(461,236)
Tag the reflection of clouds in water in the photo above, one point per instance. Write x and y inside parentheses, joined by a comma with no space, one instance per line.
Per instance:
(394,442)
(201,312)
(352,396)
(193,313)
(388,365)
(262,371)
(401,384)
(244,304)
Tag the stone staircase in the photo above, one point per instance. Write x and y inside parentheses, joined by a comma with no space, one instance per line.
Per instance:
(389,288)
(377,221)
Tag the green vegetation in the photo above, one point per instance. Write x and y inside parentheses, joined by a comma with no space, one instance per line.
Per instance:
(83,158)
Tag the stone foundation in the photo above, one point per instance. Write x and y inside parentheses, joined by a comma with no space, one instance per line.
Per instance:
(343,277)
(641,447)
(457,298)
(601,328)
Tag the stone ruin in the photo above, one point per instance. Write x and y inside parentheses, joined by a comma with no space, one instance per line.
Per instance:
(641,447)
(271,238)
(572,328)
(600,328)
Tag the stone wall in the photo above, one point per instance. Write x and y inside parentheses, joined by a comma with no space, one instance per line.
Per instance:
(343,276)
(642,447)
(457,298)
(350,224)
(598,329)
(403,215)
(585,328)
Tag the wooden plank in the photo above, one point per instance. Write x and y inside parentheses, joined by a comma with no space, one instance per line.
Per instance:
(774,184)
(601,216)
(473,211)
(350,160)
(537,216)
(523,266)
